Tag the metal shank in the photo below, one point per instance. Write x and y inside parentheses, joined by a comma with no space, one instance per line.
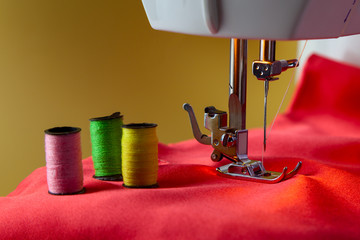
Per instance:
(267,50)
(237,83)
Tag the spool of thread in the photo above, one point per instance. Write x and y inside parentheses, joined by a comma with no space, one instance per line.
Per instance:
(106,134)
(64,161)
(140,155)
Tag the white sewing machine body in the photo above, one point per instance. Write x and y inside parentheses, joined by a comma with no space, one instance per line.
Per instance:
(268,20)
(255,19)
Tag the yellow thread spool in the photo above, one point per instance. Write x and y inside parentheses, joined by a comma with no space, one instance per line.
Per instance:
(140,155)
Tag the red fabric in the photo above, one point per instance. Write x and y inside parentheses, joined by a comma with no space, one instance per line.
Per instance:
(321,128)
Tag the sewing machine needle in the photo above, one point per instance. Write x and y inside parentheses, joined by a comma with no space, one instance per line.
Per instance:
(266,86)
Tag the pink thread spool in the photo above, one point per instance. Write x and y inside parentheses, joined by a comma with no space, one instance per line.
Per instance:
(64,161)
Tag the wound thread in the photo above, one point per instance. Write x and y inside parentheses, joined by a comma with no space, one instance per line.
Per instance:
(140,155)
(64,167)
(106,134)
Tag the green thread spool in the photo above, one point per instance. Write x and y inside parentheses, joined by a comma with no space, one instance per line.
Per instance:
(106,134)
(140,155)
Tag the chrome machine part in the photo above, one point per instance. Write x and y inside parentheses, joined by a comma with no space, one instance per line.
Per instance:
(231,141)
(266,91)
(201,138)
(267,53)
(266,68)
(254,171)
(237,83)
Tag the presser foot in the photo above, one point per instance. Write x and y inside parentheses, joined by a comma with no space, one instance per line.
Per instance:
(255,171)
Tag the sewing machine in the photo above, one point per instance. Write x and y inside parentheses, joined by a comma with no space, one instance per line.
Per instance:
(239,20)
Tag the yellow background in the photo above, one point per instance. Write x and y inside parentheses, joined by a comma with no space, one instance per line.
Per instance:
(65,61)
